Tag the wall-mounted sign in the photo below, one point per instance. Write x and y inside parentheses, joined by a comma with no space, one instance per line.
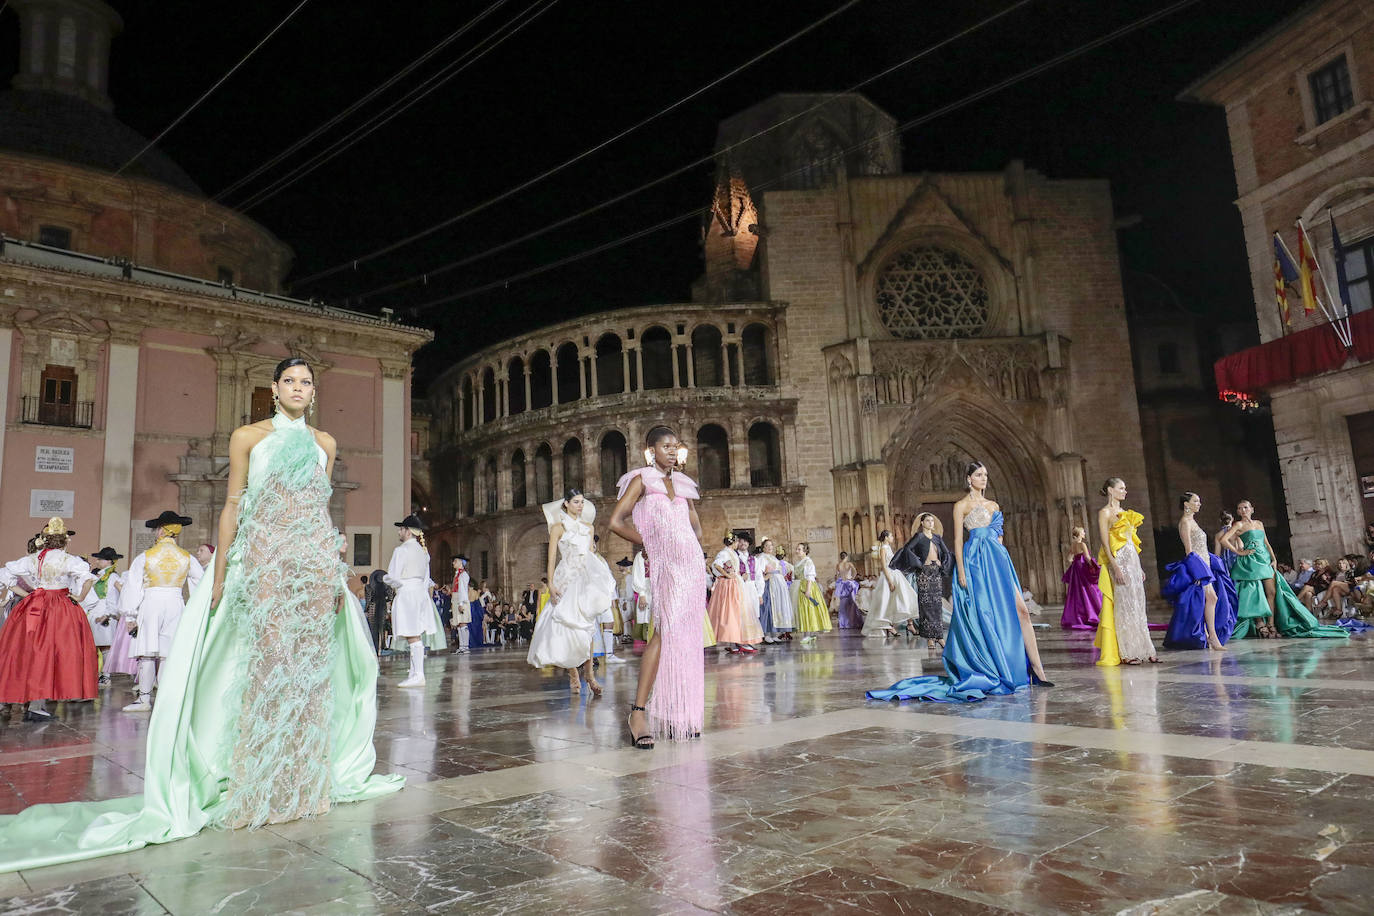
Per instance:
(820,535)
(47,503)
(54,460)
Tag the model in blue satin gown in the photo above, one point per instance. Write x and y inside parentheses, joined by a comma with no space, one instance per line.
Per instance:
(1187,587)
(985,653)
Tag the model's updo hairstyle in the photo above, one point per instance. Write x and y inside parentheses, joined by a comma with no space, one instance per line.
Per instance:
(844,554)
(288,363)
(657,434)
(968,472)
(1185,499)
(806,549)
(570,494)
(884,535)
(1226,518)
(1109,483)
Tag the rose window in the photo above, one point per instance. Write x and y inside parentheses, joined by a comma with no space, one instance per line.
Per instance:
(930,292)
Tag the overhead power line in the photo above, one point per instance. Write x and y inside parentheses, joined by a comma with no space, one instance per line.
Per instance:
(696,212)
(371,94)
(443,224)
(208,92)
(503,32)
(425,276)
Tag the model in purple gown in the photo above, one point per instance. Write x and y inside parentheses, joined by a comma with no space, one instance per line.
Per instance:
(1082,598)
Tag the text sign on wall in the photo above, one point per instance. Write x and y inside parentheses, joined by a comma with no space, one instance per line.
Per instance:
(820,535)
(54,460)
(47,503)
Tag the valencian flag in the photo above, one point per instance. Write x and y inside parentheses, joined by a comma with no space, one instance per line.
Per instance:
(1284,273)
(1307,273)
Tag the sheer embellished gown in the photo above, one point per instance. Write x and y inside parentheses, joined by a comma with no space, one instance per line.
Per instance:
(266,705)
(1187,589)
(1123,629)
(677,580)
(984,651)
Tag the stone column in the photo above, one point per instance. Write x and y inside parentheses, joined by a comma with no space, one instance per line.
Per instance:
(739,454)
(553,379)
(673,353)
(581,379)
(625,370)
(525,364)
(480,390)
(395,448)
(691,367)
(531,497)
(117,477)
(639,367)
(596,385)
(724,363)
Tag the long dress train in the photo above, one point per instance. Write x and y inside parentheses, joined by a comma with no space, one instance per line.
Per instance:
(266,706)
(1290,618)
(894,602)
(677,579)
(1187,589)
(984,650)
(1082,597)
(812,614)
(1123,629)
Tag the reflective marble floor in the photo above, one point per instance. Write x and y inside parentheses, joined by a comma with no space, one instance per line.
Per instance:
(1241,783)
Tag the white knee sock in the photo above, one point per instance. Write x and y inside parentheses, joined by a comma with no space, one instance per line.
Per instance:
(464,634)
(608,642)
(417,659)
(147,676)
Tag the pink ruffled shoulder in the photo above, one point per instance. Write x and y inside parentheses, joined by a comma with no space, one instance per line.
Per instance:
(683,485)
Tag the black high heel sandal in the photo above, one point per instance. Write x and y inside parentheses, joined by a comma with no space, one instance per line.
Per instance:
(638,741)
(1037,681)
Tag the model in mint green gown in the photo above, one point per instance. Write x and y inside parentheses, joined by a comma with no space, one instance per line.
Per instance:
(266,705)
(1250,572)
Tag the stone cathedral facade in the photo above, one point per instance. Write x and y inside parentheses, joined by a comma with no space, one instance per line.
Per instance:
(858,334)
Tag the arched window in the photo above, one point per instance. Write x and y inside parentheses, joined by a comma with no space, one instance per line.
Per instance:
(488,395)
(515,387)
(846,543)
(610,366)
(543,473)
(541,380)
(765,458)
(706,357)
(489,483)
(572,464)
(569,374)
(757,367)
(466,405)
(656,353)
(713,458)
(465,489)
(517,480)
(927,292)
(613,456)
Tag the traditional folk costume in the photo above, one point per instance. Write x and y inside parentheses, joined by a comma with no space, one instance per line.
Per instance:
(564,633)
(102,608)
(412,613)
(751,599)
(812,614)
(726,598)
(643,598)
(46,650)
(152,602)
(462,607)
(777,602)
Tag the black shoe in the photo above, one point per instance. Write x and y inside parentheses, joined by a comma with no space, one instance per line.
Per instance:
(33,715)
(1037,682)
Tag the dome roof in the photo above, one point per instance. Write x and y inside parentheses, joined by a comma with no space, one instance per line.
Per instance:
(63,127)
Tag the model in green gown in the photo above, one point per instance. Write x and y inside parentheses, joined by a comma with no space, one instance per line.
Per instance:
(1250,571)
(267,703)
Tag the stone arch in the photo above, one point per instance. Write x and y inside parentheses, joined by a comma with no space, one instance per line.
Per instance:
(756,351)
(844,410)
(610,367)
(543,473)
(765,454)
(996,271)
(518,496)
(713,457)
(466,404)
(515,386)
(541,380)
(656,355)
(925,457)
(568,371)
(572,465)
(708,366)
(488,395)
(490,486)
(1333,194)
(614,460)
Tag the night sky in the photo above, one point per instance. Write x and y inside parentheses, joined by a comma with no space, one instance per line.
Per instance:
(581,72)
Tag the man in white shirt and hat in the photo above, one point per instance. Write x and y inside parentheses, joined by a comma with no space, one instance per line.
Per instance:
(412,611)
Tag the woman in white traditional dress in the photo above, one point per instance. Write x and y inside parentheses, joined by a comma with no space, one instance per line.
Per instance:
(777,597)
(580,589)
(102,605)
(894,600)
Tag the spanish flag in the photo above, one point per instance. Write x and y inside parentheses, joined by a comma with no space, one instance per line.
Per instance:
(1284,274)
(1307,273)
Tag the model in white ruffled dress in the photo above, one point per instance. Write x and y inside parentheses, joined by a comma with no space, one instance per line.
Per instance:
(894,600)
(581,587)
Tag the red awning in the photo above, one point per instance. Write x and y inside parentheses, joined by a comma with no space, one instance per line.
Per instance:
(1308,352)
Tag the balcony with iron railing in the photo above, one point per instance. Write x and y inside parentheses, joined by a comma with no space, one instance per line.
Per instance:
(73,414)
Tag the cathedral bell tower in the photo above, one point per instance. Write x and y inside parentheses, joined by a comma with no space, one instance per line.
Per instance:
(64,47)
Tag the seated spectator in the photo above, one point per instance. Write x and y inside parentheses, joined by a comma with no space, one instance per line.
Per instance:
(1288,573)
(510,629)
(1305,570)
(524,619)
(1340,586)
(1317,583)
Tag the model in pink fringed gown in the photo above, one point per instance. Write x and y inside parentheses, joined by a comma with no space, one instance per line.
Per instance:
(1082,597)
(670,699)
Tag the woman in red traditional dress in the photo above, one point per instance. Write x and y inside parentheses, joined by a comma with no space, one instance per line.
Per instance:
(46,649)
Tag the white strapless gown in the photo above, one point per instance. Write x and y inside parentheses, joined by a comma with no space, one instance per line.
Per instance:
(563,634)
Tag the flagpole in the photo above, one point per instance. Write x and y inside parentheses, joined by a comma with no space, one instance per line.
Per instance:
(1330,298)
(1338,256)
(1336,329)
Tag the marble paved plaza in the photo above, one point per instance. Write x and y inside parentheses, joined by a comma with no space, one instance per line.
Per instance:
(1241,783)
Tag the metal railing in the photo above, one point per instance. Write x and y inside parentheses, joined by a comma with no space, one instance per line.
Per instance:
(76,415)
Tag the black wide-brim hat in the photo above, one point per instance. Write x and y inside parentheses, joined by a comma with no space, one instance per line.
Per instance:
(410,521)
(463,558)
(168,517)
(624,561)
(107,553)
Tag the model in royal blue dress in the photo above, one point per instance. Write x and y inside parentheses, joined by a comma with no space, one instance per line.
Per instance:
(990,648)
(1203,594)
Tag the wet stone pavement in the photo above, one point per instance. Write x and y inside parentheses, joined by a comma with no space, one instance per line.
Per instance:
(1236,783)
